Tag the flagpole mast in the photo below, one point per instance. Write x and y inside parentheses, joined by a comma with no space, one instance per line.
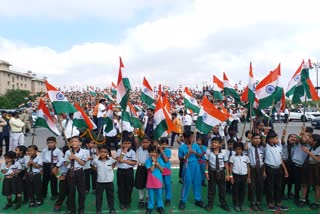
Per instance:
(34,133)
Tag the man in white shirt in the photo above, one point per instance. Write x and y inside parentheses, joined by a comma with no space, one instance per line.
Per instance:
(16,135)
(187,122)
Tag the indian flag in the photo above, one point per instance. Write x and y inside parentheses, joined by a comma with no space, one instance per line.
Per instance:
(113,89)
(44,119)
(266,90)
(92,91)
(126,117)
(123,88)
(147,95)
(294,81)
(81,119)
(229,89)
(59,101)
(217,88)
(167,113)
(160,126)
(305,91)
(135,118)
(109,98)
(209,116)
(190,102)
(251,86)
(109,119)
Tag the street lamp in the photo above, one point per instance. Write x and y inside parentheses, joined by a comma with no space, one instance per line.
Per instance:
(316,66)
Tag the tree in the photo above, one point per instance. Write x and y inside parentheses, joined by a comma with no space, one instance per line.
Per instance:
(13,98)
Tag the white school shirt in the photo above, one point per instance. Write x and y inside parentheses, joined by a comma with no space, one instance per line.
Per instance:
(130,155)
(89,162)
(240,164)
(12,168)
(211,157)
(81,154)
(316,152)
(101,113)
(142,155)
(37,160)
(273,155)
(252,155)
(46,155)
(104,170)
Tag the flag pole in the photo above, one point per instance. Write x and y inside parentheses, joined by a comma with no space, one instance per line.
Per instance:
(304,110)
(270,113)
(64,134)
(251,121)
(34,133)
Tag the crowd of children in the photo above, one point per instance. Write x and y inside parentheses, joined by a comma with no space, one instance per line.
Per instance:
(261,164)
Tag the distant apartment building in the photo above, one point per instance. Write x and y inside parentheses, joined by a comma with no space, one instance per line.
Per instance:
(10,79)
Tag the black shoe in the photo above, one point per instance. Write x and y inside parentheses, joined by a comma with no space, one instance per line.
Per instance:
(39,203)
(209,207)
(225,207)
(259,207)
(254,207)
(301,203)
(167,203)
(200,204)
(290,196)
(160,210)
(182,205)
(32,205)
(7,206)
(314,206)
(112,211)
(271,208)
(237,208)
(81,212)
(122,206)
(282,207)
(141,204)
(148,211)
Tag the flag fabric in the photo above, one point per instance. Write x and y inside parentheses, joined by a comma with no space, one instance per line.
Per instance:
(190,102)
(44,119)
(92,91)
(109,98)
(136,123)
(126,118)
(160,126)
(244,95)
(217,88)
(123,88)
(305,91)
(113,89)
(209,116)
(229,89)
(251,86)
(108,120)
(167,114)
(293,82)
(59,102)
(147,95)
(81,119)
(267,91)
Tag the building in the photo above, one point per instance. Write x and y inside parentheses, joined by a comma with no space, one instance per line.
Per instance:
(10,79)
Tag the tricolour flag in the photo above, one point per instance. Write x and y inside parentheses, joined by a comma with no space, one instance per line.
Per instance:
(160,126)
(109,98)
(294,81)
(147,95)
(108,120)
(136,123)
(167,113)
(209,116)
(123,88)
(59,102)
(229,89)
(44,119)
(113,89)
(304,90)
(217,88)
(92,91)
(81,119)
(251,86)
(190,102)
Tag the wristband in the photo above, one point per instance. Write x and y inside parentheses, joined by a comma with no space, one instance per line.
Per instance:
(263,136)
(299,137)
(206,171)
(153,163)
(230,176)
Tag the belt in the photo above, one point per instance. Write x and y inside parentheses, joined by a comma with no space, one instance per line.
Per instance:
(273,167)
(214,170)
(255,167)
(33,173)
(17,132)
(9,176)
(141,164)
(77,169)
(297,165)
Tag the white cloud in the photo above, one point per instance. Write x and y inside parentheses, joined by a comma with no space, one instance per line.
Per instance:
(185,47)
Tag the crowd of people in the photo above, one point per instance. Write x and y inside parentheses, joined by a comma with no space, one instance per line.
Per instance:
(259,163)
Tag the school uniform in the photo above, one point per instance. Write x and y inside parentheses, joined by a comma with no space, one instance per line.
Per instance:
(255,188)
(312,175)
(191,172)
(287,151)
(105,178)
(202,163)
(229,153)
(273,161)
(298,159)
(21,179)
(154,184)
(9,185)
(63,187)
(181,163)
(216,173)
(125,179)
(75,179)
(50,158)
(34,181)
(89,173)
(240,176)
(141,172)
(166,174)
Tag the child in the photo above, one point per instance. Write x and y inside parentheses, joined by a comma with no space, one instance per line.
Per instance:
(216,163)
(50,157)
(34,165)
(88,171)
(126,159)
(273,163)
(60,171)
(190,152)
(202,160)
(104,167)
(21,178)
(75,161)
(312,175)
(229,152)
(257,172)
(180,141)
(239,175)
(155,166)
(10,169)
(165,155)
(142,173)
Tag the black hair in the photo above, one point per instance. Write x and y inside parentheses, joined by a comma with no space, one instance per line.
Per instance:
(247,133)
(187,134)
(309,129)
(153,148)
(238,145)
(75,137)
(255,135)
(217,139)
(151,109)
(164,140)
(34,147)
(231,141)
(203,139)
(146,138)
(52,138)
(174,114)
(316,137)
(103,146)
(10,154)
(3,112)
(15,113)
(65,149)
(271,134)
(102,100)
(23,149)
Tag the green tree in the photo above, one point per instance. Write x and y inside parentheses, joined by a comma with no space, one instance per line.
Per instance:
(5,103)
(13,98)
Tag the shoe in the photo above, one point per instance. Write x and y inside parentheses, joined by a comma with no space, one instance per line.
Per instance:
(254,207)
(148,211)
(112,211)
(259,207)
(39,203)
(290,196)
(271,208)
(32,205)
(141,204)
(282,207)
(81,212)
(237,208)
(182,205)
(7,206)
(167,203)
(301,203)
(225,207)
(160,210)
(209,207)
(122,206)
(16,206)
(314,206)
(200,204)
(53,198)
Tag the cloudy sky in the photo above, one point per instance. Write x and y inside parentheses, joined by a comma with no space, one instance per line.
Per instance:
(180,42)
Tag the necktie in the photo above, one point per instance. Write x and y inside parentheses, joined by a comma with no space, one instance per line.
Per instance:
(31,171)
(257,157)
(51,159)
(72,167)
(217,163)
(230,154)
(289,153)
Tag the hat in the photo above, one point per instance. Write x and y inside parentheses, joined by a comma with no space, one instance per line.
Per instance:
(10,154)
